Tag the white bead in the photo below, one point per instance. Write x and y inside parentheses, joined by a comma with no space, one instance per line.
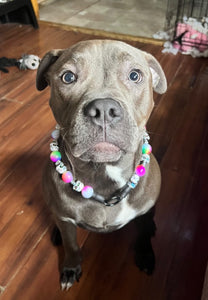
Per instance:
(78,186)
(58,162)
(135,178)
(61,168)
(54,146)
(146,136)
(131,185)
(146,158)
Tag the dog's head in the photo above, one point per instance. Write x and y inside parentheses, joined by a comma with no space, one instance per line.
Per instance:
(101,96)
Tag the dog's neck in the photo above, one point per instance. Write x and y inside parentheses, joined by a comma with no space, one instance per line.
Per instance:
(100,180)
(108,172)
(101,174)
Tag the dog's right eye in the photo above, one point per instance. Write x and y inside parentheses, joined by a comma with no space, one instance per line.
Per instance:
(135,76)
(68,77)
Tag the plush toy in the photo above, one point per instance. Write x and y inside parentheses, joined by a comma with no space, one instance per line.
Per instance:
(29,62)
(26,62)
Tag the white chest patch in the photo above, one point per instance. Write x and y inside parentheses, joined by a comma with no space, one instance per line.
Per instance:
(115,174)
(126,214)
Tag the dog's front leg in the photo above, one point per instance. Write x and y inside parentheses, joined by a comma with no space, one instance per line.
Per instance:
(71,270)
(145,258)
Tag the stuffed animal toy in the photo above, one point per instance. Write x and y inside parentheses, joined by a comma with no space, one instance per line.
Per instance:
(26,62)
(29,62)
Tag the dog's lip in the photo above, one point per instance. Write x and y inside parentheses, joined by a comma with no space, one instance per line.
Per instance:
(106,147)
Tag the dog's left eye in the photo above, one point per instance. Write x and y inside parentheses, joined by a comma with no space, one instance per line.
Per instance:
(135,76)
(68,77)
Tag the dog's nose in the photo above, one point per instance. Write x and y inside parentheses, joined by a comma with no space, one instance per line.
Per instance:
(102,111)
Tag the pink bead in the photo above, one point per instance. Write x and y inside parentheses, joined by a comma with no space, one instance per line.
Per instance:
(67,177)
(140,170)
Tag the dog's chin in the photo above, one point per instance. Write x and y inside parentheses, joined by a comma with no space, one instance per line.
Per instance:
(102,152)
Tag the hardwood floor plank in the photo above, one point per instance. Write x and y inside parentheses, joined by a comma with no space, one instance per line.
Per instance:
(171,116)
(7,109)
(20,186)
(37,271)
(24,91)
(191,128)
(23,132)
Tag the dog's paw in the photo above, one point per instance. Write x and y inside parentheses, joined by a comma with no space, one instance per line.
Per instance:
(145,261)
(69,276)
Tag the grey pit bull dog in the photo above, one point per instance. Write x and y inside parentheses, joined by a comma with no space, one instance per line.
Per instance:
(101,98)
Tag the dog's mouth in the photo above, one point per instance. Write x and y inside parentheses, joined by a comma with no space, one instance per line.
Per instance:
(102,152)
(105,147)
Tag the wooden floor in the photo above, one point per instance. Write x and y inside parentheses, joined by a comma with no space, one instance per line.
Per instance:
(179,136)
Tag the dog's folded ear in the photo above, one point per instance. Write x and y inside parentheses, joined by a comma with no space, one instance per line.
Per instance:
(48,59)
(159,81)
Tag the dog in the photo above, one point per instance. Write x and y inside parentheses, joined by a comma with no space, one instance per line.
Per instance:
(101,98)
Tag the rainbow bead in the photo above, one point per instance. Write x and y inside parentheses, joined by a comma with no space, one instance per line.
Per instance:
(55,156)
(87,191)
(146,148)
(140,170)
(67,177)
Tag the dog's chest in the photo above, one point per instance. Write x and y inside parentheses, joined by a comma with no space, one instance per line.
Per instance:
(125,214)
(103,219)
(117,216)
(98,217)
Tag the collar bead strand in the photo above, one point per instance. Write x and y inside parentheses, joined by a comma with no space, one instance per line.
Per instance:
(86,190)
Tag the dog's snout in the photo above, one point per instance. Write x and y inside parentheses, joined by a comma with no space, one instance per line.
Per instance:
(102,111)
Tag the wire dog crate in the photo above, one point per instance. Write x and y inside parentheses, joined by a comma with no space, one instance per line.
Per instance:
(180,16)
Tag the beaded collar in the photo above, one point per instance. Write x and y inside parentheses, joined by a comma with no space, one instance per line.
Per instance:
(88,191)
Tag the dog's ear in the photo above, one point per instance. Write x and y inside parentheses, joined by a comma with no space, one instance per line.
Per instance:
(159,81)
(48,59)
